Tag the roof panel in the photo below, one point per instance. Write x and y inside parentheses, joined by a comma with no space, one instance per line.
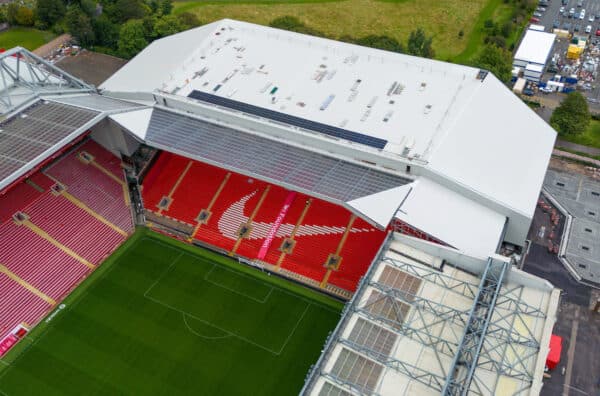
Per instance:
(34,131)
(305,170)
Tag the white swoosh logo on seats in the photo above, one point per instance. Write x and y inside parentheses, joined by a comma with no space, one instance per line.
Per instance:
(234,216)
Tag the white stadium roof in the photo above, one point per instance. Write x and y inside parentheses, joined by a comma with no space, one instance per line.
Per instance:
(535,46)
(443,147)
(455,125)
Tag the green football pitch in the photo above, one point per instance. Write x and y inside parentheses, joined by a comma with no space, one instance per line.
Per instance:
(163,318)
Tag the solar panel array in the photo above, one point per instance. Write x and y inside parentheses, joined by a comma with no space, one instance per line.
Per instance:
(290,119)
(305,170)
(36,129)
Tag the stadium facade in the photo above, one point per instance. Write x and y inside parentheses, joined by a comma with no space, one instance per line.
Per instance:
(438,166)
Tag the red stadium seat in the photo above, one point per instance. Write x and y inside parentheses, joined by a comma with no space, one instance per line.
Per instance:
(58,242)
(237,201)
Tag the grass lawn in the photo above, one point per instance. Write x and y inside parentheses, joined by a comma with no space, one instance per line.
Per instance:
(591,137)
(161,317)
(24,37)
(357,18)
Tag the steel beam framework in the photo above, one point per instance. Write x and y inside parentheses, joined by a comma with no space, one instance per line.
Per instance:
(460,373)
(493,335)
(24,76)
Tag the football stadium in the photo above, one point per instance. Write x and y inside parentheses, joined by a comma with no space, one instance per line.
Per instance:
(244,210)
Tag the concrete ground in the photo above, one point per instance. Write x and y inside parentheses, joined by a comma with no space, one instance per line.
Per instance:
(579,369)
(576,324)
(579,193)
(92,67)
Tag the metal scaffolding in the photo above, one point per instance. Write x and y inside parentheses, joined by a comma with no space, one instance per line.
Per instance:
(24,76)
(460,374)
(463,341)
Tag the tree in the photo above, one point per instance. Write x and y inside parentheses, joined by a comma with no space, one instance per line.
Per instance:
(24,16)
(49,12)
(132,38)
(165,7)
(572,116)
(79,25)
(123,10)
(188,20)
(495,59)
(419,44)
(380,42)
(167,25)
(11,13)
(106,33)
(295,25)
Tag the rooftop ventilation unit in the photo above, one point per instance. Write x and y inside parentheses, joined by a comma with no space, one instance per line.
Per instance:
(327,102)
(482,74)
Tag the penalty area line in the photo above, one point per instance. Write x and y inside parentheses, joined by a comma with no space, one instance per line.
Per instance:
(165,272)
(289,337)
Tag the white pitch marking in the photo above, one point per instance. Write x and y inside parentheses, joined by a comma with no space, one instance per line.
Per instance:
(264,300)
(200,335)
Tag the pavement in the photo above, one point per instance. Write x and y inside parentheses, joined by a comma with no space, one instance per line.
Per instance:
(577,147)
(576,324)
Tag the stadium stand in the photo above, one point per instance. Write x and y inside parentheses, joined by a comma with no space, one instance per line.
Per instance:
(250,218)
(55,228)
(105,196)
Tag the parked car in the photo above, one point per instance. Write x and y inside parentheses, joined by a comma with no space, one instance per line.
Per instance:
(591,18)
(598,32)
(576,28)
(537,14)
(567,26)
(588,29)
(572,12)
(556,24)
(534,20)
(565,2)
(579,3)
(582,14)
(562,10)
